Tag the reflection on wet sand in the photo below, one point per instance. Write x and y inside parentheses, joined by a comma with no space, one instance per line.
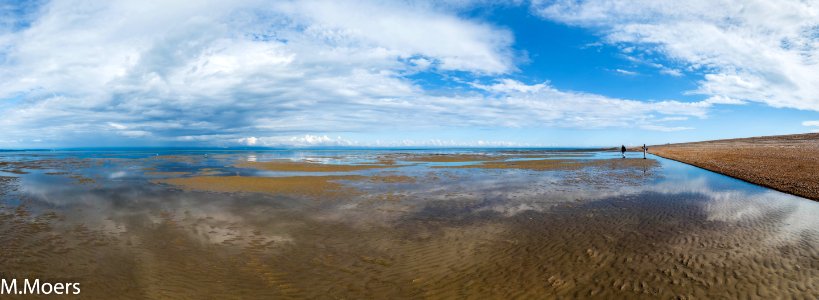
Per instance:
(314,186)
(286,165)
(562,164)
(608,228)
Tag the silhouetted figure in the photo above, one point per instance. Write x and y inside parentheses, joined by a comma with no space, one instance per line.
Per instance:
(623,150)
(645,150)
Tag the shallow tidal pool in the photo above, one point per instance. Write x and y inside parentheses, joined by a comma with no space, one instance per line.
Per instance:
(399,224)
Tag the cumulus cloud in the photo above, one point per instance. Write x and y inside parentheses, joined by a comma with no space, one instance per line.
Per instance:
(186,70)
(757,50)
(266,73)
(406,30)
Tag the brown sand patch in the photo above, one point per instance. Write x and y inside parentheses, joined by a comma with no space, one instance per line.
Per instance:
(313,186)
(787,163)
(39,164)
(57,173)
(295,166)
(60,167)
(167,174)
(159,260)
(385,161)
(208,172)
(625,249)
(15,171)
(392,179)
(82,179)
(7,184)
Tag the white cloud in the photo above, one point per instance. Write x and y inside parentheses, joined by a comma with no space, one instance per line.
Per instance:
(671,72)
(409,30)
(309,140)
(723,100)
(249,141)
(187,71)
(810,123)
(267,73)
(421,63)
(117,125)
(759,51)
(626,72)
(134,133)
(507,85)
(306,140)
(517,104)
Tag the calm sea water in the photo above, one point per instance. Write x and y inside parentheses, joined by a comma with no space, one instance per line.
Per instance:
(100,218)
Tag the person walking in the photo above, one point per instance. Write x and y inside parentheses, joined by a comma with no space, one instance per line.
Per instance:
(645,150)
(623,150)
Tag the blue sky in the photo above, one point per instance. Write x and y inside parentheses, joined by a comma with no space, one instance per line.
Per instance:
(394,73)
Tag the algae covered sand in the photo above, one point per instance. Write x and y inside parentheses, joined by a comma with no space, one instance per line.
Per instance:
(517,226)
(788,163)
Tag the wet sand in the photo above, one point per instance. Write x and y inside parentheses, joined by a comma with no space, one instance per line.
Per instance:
(605,228)
(305,166)
(787,163)
(561,164)
(447,157)
(313,186)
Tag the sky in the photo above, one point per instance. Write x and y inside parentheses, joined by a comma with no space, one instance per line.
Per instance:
(456,73)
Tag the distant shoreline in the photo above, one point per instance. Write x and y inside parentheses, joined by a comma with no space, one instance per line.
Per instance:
(786,163)
(555,149)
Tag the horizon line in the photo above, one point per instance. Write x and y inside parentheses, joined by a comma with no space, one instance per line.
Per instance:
(211,148)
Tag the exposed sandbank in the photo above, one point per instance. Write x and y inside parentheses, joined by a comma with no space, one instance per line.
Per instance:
(166,174)
(787,163)
(329,186)
(451,157)
(302,166)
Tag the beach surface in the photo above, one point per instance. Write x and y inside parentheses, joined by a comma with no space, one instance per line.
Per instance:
(788,163)
(399,224)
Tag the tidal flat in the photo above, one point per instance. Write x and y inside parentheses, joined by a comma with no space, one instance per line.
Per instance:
(399,224)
